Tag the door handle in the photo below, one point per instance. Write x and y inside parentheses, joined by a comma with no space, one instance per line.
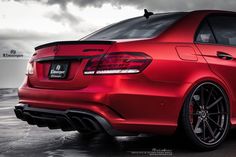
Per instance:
(223,55)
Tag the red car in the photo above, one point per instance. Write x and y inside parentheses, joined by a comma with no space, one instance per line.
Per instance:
(149,74)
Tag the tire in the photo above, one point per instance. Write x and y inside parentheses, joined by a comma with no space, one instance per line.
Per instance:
(205,116)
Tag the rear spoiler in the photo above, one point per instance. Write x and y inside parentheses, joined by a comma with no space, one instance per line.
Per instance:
(74,43)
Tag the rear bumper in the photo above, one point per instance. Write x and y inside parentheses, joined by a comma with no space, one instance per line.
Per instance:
(133,107)
(69,120)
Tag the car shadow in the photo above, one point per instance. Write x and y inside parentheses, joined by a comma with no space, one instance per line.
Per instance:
(142,145)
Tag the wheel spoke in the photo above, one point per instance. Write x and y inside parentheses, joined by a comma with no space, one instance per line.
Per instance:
(197,104)
(214,103)
(197,125)
(210,129)
(204,130)
(217,113)
(209,97)
(202,96)
(214,122)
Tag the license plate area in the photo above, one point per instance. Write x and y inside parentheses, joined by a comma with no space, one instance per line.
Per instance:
(58,70)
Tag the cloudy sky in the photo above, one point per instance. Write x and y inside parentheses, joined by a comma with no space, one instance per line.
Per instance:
(25,24)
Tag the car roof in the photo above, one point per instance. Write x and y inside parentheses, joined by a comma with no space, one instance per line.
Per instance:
(184,30)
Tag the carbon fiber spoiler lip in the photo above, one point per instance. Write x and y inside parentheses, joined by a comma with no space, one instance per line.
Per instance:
(74,43)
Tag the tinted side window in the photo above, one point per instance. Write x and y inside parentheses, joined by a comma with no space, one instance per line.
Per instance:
(224,29)
(205,34)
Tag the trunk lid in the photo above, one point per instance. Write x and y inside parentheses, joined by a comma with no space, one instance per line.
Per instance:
(71,56)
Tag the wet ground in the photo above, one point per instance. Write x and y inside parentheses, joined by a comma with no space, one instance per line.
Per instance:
(17,138)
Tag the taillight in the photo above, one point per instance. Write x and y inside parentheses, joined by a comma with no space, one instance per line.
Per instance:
(30,68)
(118,63)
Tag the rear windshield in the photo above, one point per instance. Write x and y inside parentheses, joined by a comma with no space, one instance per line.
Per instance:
(138,27)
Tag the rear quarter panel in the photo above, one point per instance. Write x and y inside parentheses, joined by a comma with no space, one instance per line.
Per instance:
(157,94)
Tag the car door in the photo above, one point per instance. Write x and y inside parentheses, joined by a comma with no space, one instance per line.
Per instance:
(216,39)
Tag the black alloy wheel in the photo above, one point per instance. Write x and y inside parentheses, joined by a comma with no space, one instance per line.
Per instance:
(205,116)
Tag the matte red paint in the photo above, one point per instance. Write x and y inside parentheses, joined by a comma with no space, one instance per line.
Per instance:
(147,102)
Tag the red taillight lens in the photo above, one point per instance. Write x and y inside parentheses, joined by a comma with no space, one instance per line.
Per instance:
(91,66)
(118,63)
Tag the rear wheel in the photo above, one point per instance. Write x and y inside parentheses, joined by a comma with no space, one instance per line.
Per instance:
(205,116)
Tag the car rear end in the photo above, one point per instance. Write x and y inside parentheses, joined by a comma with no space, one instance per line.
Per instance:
(79,76)
(92,85)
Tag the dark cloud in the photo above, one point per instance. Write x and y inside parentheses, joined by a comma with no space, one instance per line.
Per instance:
(64,17)
(154,5)
(62,3)
(80,3)
(161,5)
